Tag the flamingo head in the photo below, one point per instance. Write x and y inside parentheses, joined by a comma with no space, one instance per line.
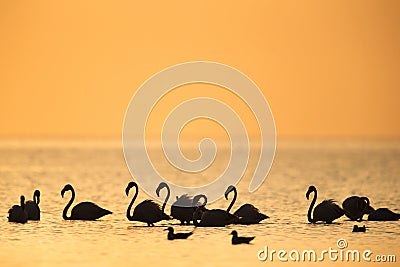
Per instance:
(36,195)
(310,189)
(130,185)
(66,188)
(160,186)
(228,190)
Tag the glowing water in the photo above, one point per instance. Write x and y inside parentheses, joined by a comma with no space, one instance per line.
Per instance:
(98,173)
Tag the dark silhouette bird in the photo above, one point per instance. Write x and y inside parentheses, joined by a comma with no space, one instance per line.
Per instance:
(172,236)
(326,211)
(147,211)
(86,211)
(32,207)
(247,213)
(17,213)
(355,207)
(182,209)
(211,218)
(240,239)
(383,214)
(357,229)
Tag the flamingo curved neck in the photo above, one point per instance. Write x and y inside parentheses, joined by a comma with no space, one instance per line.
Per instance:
(128,211)
(310,219)
(22,204)
(166,198)
(233,200)
(69,205)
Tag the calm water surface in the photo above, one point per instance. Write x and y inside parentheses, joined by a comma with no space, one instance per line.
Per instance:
(98,173)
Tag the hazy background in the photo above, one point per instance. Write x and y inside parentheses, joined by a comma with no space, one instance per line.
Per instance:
(68,69)
(327,68)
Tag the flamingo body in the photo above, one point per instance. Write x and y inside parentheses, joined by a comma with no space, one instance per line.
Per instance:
(88,211)
(383,214)
(214,218)
(148,212)
(182,209)
(17,213)
(249,214)
(211,218)
(355,207)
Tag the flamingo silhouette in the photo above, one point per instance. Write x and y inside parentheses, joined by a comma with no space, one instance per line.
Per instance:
(86,211)
(355,207)
(247,213)
(147,211)
(32,207)
(326,211)
(182,209)
(17,213)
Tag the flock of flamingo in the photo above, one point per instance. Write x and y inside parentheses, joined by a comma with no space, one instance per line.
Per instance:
(188,209)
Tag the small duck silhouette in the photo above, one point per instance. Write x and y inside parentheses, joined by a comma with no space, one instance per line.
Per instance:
(172,236)
(240,239)
(359,229)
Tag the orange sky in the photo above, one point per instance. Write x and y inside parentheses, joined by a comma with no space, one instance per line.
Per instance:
(327,69)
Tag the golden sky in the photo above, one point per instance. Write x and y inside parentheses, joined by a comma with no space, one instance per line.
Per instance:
(327,68)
